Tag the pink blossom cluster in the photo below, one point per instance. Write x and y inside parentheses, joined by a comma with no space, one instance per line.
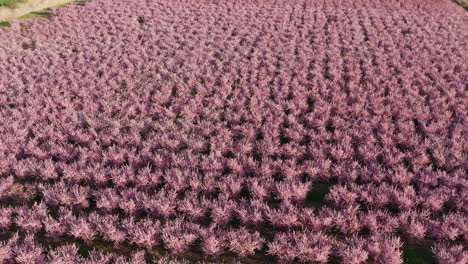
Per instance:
(27,251)
(210,126)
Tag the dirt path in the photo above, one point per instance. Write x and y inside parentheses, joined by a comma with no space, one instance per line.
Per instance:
(28,7)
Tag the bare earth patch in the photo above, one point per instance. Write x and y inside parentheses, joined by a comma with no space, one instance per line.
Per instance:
(462,3)
(28,7)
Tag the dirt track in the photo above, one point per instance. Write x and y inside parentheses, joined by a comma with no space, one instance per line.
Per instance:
(28,7)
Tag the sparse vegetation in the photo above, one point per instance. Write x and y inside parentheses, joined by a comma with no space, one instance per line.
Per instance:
(10,3)
(5,24)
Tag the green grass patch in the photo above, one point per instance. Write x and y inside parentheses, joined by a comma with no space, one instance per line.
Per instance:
(10,3)
(42,14)
(5,24)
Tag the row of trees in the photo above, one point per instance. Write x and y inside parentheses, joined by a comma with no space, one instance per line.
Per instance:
(122,118)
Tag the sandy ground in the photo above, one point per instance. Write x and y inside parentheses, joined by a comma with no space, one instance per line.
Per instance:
(28,7)
(463,3)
